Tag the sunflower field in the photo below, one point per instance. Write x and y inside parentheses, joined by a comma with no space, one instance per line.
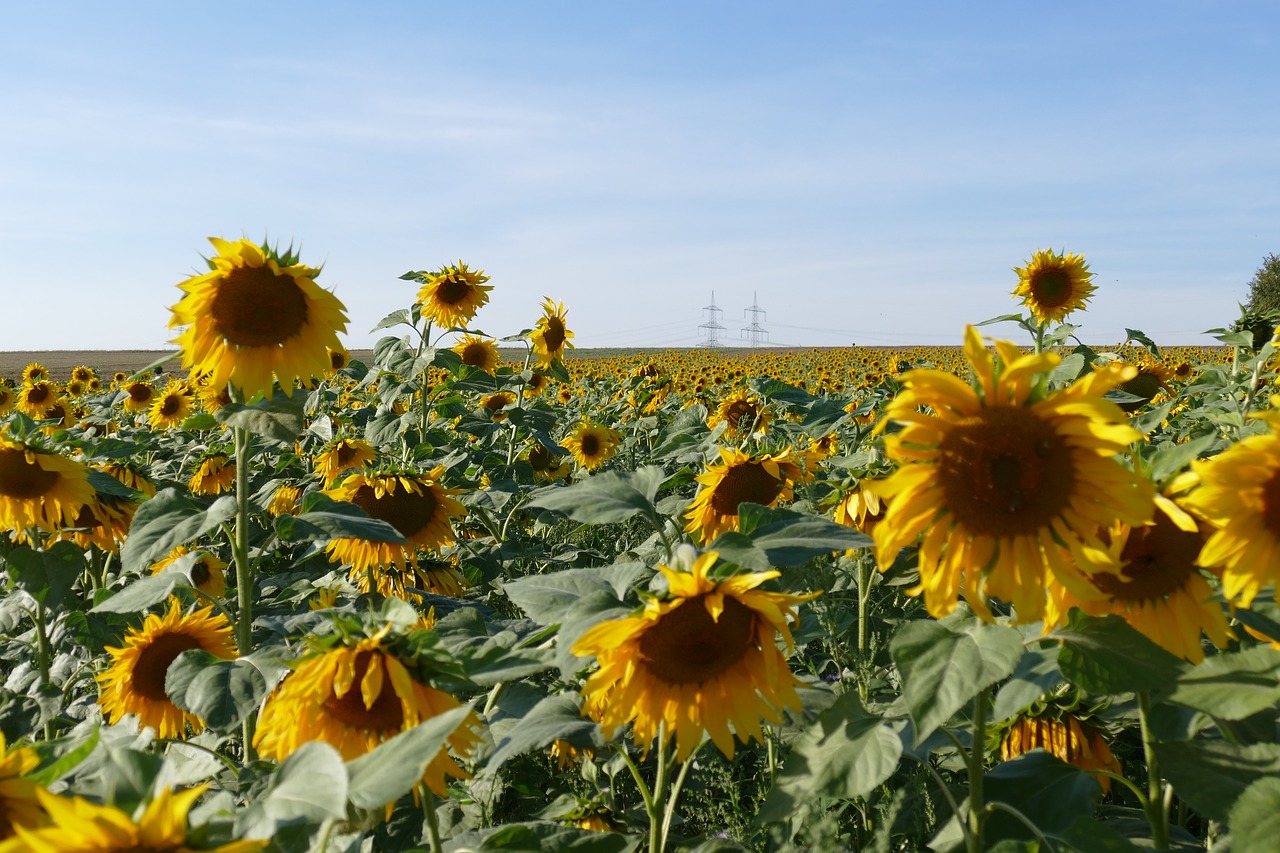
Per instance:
(1016,595)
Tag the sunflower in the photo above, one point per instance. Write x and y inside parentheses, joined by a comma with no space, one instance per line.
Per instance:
(550,336)
(118,379)
(18,804)
(170,408)
(39,489)
(592,445)
(416,505)
(354,697)
(141,394)
(213,397)
(1158,590)
(453,295)
(547,464)
(496,402)
(76,825)
(284,501)
(83,373)
(7,399)
(74,388)
(253,315)
(740,478)
(703,657)
(537,383)
(478,352)
(215,474)
(35,397)
(1152,378)
(1239,493)
(103,522)
(1064,737)
(342,454)
(338,359)
(1053,285)
(742,414)
(134,683)
(861,508)
(34,372)
(127,473)
(208,573)
(997,479)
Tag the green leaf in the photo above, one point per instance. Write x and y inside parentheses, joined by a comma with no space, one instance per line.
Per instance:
(1050,792)
(395,318)
(1233,685)
(1036,674)
(220,692)
(1255,818)
(845,754)
(546,598)
(1106,656)
(545,836)
(168,520)
(279,418)
(47,576)
(554,718)
(1141,337)
(782,537)
(308,787)
(1211,776)
(605,498)
(141,594)
(332,519)
(390,771)
(60,756)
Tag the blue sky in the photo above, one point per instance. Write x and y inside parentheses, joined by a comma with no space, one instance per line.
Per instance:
(866,172)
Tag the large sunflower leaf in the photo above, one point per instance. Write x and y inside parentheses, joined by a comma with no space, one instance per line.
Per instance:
(784,538)
(545,836)
(1211,776)
(47,576)
(1232,686)
(309,786)
(1106,656)
(390,771)
(328,519)
(606,498)
(278,418)
(220,692)
(1255,818)
(168,520)
(554,718)
(141,594)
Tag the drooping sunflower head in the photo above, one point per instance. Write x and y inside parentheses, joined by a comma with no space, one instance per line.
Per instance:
(284,501)
(131,474)
(256,315)
(703,657)
(40,489)
(207,572)
(134,683)
(591,444)
(214,474)
(767,479)
(170,408)
(478,352)
(343,454)
(452,295)
(550,336)
(1053,285)
(103,522)
(1067,738)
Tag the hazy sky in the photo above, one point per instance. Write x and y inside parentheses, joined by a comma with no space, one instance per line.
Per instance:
(868,172)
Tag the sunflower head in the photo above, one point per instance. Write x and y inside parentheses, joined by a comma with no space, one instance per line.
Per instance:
(742,414)
(214,474)
(1053,285)
(338,358)
(591,444)
(254,316)
(171,407)
(452,295)
(343,454)
(478,352)
(40,489)
(550,336)
(767,479)
(34,372)
(1066,737)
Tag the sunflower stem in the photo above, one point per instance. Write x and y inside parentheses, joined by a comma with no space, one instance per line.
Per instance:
(977,765)
(244,570)
(43,657)
(1155,805)
(864,600)
(669,812)
(433,820)
(661,794)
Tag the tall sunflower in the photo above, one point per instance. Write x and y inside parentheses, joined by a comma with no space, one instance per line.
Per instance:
(18,803)
(76,825)
(353,697)
(550,336)
(740,478)
(478,352)
(453,295)
(255,315)
(7,399)
(171,407)
(591,444)
(703,657)
(997,479)
(40,489)
(134,683)
(342,454)
(1053,285)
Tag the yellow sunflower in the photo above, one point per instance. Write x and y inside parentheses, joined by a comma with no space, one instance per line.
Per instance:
(546,464)
(18,803)
(354,698)
(861,508)
(208,573)
(127,473)
(996,480)
(478,352)
(536,385)
(703,657)
(452,296)
(284,501)
(7,398)
(338,359)
(213,397)
(76,825)
(1053,285)
(255,315)
(35,397)
(742,414)
(1064,737)
(103,522)
(592,445)
(1239,493)
(215,474)
(496,402)
(140,396)
(134,683)
(34,372)
(170,408)
(342,454)
(39,489)
(740,478)
(550,336)
(1158,590)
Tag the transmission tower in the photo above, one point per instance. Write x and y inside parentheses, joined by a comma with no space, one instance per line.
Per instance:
(755,333)
(712,327)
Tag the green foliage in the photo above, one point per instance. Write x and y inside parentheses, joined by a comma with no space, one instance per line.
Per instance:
(1264,287)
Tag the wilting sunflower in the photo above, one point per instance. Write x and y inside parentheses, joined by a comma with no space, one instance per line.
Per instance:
(592,445)
(134,683)
(34,372)
(1064,737)
(416,505)
(478,352)
(208,573)
(452,296)
(255,315)
(741,414)
(1158,589)
(140,396)
(18,803)
(354,697)
(342,454)
(170,408)
(1053,285)
(215,474)
(76,825)
(740,478)
(703,657)
(1239,494)
(551,336)
(284,501)
(40,489)
(996,480)
(35,397)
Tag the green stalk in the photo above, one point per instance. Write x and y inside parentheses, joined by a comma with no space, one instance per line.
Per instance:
(864,569)
(244,570)
(44,657)
(977,764)
(433,821)
(661,794)
(1155,807)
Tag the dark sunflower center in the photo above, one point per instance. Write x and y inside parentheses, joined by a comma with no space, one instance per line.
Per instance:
(255,307)
(747,482)
(1271,504)
(147,678)
(337,360)
(171,405)
(540,458)
(554,335)
(590,444)
(139,393)
(686,646)
(346,454)
(406,511)
(739,413)
(1145,385)
(1005,472)
(452,291)
(86,518)
(22,479)
(39,394)
(1052,287)
(386,713)
(1157,560)
(200,574)
(474,355)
